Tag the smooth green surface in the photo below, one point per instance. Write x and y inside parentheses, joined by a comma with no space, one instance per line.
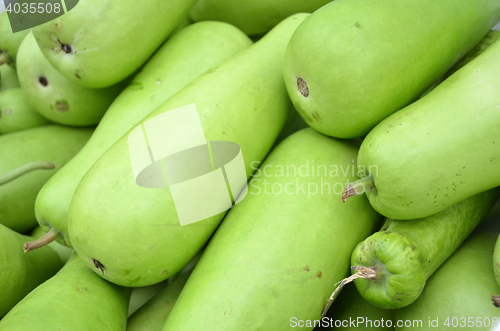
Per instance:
(61,250)
(364,60)
(488,40)
(441,149)
(54,96)
(462,287)
(252,17)
(9,42)
(350,306)
(153,315)
(293,124)
(141,295)
(194,50)
(20,272)
(8,77)
(406,253)
(108,39)
(16,113)
(279,252)
(74,299)
(244,101)
(483,45)
(51,143)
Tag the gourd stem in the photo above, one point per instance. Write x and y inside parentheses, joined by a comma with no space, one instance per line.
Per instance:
(366,273)
(24,169)
(40,242)
(358,187)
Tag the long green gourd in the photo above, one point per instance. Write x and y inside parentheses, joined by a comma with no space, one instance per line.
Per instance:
(51,144)
(243,101)
(101,42)
(21,273)
(439,150)
(277,255)
(398,260)
(194,50)
(16,113)
(74,299)
(458,295)
(252,17)
(355,62)
(54,96)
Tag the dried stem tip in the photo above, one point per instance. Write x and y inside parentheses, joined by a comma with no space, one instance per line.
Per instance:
(45,240)
(366,273)
(358,187)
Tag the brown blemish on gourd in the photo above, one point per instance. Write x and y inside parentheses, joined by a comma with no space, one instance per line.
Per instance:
(496,300)
(306,268)
(320,274)
(98,265)
(302,87)
(62,105)
(316,116)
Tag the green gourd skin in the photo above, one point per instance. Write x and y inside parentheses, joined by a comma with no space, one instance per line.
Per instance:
(8,77)
(61,250)
(293,124)
(350,306)
(488,40)
(54,96)
(462,287)
(404,254)
(153,315)
(88,44)
(244,101)
(270,260)
(74,299)
(252,17)
(157,312)
(483,45)
(50,143)
(347,67)
(9,42)
(22,272)
(439,150)
(141,295)
(16,113)
(194,50)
